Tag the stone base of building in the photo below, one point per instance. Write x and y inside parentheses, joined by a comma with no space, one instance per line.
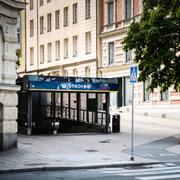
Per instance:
(7,141)
(8,116)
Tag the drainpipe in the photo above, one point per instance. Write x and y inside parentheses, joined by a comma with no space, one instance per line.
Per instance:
(97,30)
(37,38)
(25,44)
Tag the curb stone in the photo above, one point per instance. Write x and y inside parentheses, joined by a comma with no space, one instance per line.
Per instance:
(61,168)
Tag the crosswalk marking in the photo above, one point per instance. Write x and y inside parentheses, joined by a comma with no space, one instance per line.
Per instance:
(149,172)
(160,177)
(123,171)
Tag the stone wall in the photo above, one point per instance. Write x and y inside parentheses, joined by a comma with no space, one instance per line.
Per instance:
(8,96)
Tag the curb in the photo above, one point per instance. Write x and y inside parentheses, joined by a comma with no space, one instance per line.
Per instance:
(61,168)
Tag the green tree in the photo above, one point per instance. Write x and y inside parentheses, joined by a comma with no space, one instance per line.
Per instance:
(155,40)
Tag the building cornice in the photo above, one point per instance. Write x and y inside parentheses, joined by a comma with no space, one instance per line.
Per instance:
(14,4)
(115,32)
(56,67)
(121,67)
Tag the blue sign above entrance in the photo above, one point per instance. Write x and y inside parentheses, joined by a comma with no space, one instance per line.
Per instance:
(48,83)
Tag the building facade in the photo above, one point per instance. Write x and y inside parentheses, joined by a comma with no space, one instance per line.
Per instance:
(8,98)
(84,38)
(61,37)
(114,62)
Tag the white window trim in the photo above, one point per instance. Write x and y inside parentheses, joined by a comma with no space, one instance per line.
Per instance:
(114,10)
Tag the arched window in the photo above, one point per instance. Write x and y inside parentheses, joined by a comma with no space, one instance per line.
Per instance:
(65,73)
(75,72)
(87,71)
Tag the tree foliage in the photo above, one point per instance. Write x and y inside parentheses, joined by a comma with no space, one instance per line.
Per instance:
(155,40)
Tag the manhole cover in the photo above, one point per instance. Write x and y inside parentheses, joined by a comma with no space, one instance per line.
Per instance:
(91,150)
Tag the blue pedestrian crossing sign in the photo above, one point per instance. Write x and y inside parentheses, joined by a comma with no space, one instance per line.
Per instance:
(133,73)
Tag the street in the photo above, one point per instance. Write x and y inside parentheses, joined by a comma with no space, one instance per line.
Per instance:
(146,172)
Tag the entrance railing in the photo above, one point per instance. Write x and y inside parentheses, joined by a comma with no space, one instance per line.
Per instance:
(58,112)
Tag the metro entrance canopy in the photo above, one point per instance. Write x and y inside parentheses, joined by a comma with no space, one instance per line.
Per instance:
(57,83)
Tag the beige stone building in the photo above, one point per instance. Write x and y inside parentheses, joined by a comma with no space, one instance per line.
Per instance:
(61,37)
(8,98)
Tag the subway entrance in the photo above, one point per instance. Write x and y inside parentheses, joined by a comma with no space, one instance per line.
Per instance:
(49,104)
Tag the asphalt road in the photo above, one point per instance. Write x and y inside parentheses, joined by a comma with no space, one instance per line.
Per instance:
(146,172)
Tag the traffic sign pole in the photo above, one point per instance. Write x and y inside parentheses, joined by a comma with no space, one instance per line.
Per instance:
(132,126)
(133,79)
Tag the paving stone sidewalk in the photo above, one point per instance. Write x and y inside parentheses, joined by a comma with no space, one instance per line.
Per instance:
(65,151)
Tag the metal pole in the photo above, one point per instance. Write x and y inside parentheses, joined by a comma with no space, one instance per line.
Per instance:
(132,126)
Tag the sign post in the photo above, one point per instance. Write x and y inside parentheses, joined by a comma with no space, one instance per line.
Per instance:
(133,79)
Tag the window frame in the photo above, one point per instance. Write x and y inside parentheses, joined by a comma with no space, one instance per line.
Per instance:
(164,95)
(75,44)
(41,25)
(49,52)
(109,21)
(75,13)
(42,54)
(146,92)
(31,5)
(87,9)
(66,16)
(57,50)
(31,27)
(111,50)
(31,55)
(127,55)
(57,19)
(128,11)
(41,2)
(88,42)
(49,22)
(66,44)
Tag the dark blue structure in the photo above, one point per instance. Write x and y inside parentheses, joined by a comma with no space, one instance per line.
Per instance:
(45,101)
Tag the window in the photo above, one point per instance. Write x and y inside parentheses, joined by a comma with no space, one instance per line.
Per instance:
(66,48)
(31,56)
(65,73)
(41,25)
(49,52)
(110,12)
(128,56)
(74,13)
(111,52)
(57,14)
(66,16)
(88,42)
(31,28)
(75,72)
(128,6)
(146,92)
(41,2)
(49,22)
(31,4)
(57,50)
(74,46)
(88,9)
(164,95)
(87,71)
(41,54)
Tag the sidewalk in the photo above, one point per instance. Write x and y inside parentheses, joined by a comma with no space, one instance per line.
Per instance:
(71,151)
